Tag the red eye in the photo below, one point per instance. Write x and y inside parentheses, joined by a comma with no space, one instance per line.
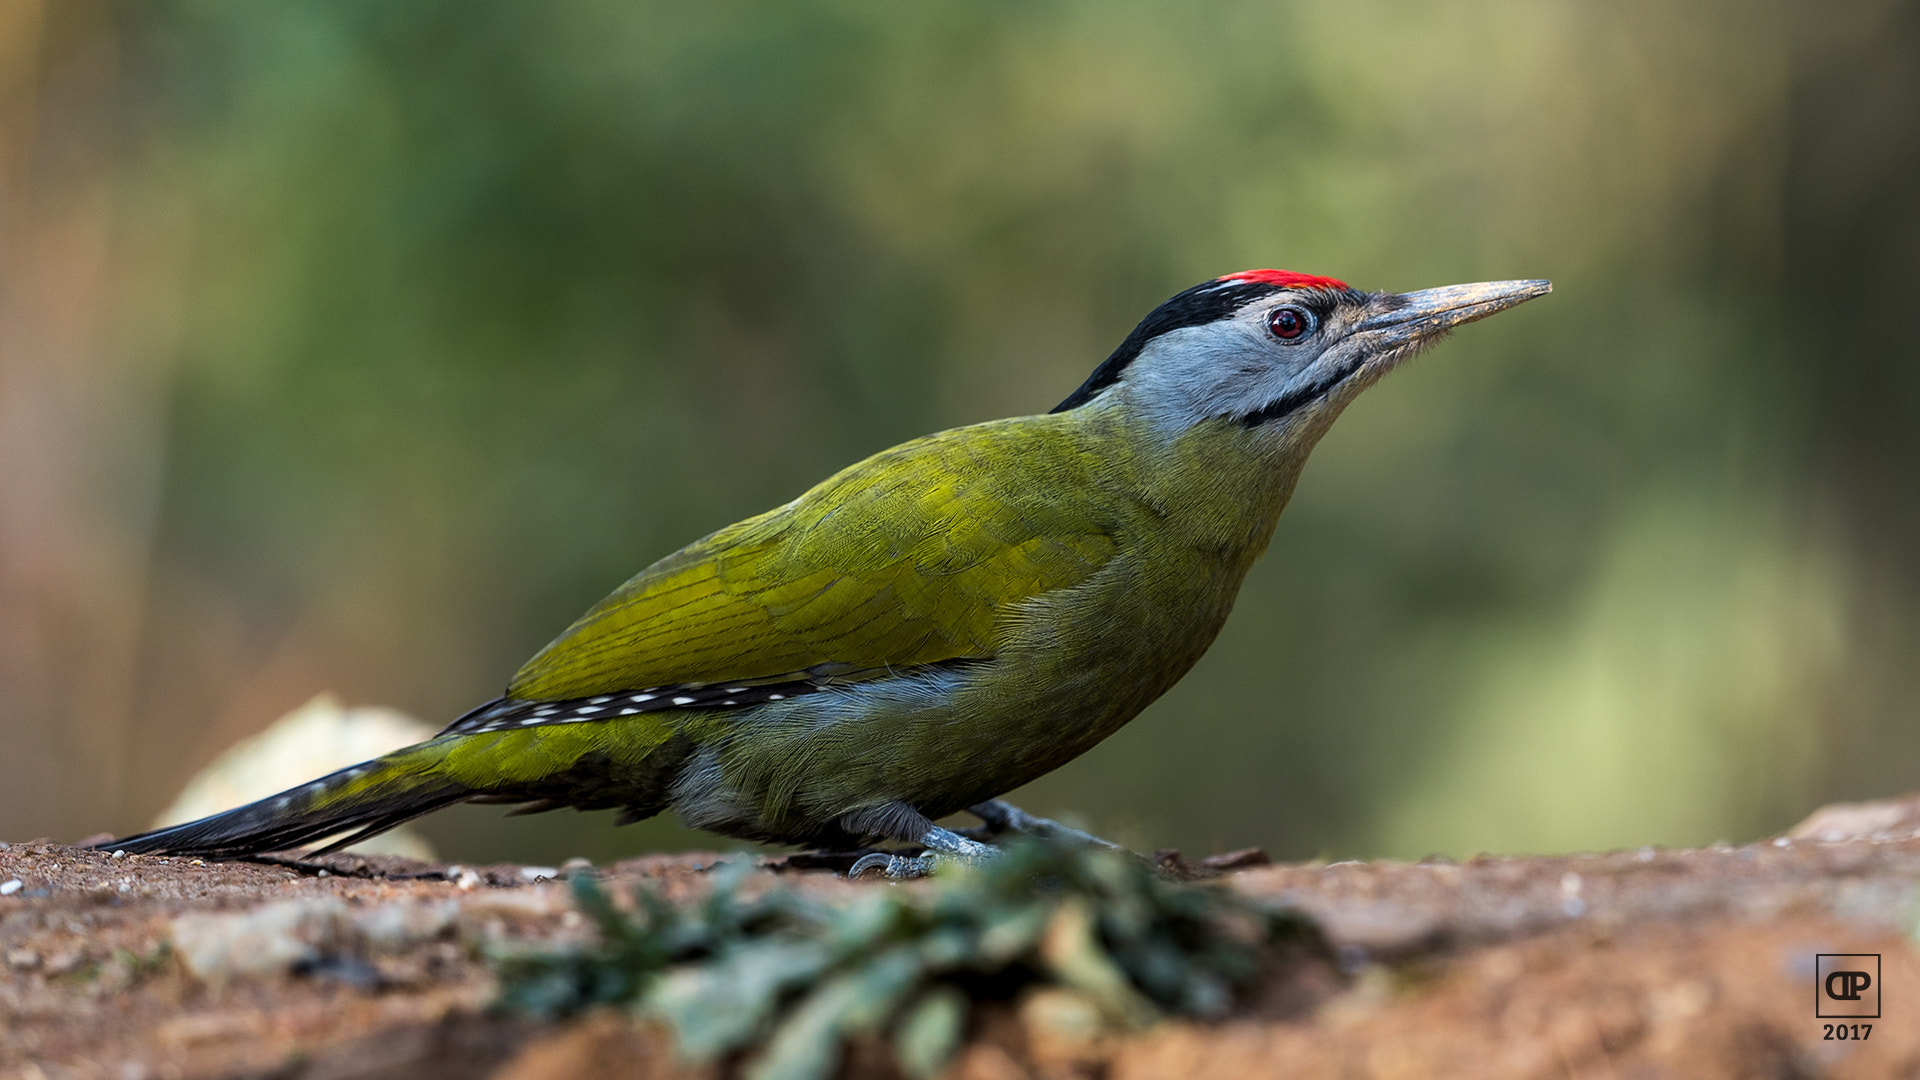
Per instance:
(1288,323)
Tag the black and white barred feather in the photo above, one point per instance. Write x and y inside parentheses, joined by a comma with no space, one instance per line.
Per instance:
(508,713)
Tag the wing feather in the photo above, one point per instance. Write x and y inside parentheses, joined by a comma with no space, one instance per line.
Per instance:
(915,556)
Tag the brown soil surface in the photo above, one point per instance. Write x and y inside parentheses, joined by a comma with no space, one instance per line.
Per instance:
(1647,963)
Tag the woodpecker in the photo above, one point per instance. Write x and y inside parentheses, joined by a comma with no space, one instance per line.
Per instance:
(925,630)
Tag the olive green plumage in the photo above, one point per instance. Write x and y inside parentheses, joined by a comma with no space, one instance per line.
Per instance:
(914,556)
(917,634)
(1075,608)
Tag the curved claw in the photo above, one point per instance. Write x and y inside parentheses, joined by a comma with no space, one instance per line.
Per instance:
(869,865)
(891,867)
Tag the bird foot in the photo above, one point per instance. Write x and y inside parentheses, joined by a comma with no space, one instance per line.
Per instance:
(943,846)
(946,845)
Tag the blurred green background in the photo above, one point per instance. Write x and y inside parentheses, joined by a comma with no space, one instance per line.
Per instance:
(358,346)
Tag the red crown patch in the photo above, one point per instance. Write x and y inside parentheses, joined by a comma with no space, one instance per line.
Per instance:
(1286,279)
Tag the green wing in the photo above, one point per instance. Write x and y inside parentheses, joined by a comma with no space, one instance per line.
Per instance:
(915,556)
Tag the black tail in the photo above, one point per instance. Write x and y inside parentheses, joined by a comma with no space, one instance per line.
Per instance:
(361,801)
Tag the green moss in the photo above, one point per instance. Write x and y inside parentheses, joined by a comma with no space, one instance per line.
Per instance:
(786,981)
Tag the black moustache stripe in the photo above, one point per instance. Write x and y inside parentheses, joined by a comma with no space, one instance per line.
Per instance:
(1295,398)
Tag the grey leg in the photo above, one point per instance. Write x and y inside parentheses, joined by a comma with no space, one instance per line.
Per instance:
(1001,816)
(941,844)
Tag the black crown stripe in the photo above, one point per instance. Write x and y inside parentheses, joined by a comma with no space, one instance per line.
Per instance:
(1209,301)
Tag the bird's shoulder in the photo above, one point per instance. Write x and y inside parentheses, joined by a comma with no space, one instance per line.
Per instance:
(914,556)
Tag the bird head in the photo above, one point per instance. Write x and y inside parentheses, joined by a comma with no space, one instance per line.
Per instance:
(1277,350)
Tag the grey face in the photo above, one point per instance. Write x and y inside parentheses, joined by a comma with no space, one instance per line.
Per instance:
(1297,352)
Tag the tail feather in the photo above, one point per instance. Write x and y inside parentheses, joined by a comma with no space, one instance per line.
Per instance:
(362,801)
(630,764)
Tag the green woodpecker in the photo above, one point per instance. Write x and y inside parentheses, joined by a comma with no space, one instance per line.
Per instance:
(929,628)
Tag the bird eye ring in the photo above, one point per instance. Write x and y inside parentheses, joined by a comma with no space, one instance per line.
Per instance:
(1289,323)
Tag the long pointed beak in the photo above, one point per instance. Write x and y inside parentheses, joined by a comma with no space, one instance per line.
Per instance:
(1416,316)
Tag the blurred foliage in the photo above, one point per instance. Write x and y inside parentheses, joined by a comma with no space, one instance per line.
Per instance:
(407,331)
(791,979)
